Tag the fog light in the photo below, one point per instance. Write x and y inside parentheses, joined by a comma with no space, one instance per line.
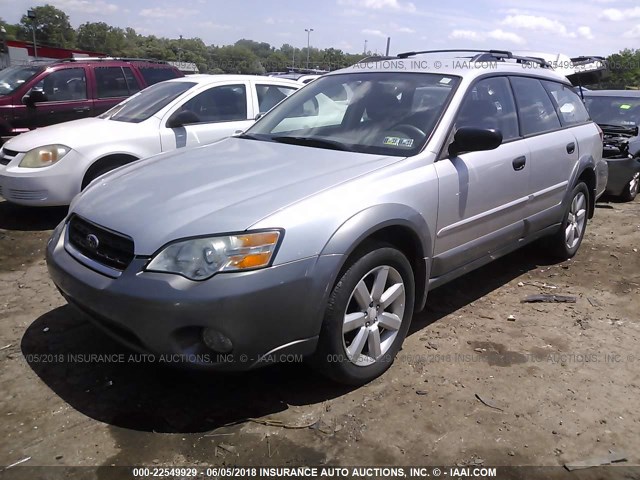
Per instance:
(216,341)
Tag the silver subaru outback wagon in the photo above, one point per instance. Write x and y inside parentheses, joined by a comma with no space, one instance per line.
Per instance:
(320,230)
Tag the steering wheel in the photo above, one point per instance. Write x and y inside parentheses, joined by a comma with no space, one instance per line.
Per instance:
(410,130)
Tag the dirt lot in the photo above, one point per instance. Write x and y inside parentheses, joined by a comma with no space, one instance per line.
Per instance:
(561,382)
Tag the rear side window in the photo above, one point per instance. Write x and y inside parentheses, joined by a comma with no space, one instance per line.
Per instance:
(537,112)
(157,73)
(568,104)
(111,82)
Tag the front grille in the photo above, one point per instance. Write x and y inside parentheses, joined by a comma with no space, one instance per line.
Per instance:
(113,249)
(34,195)
(7,156)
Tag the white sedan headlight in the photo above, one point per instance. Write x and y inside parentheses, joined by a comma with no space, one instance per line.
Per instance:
(200,258)
(44,156)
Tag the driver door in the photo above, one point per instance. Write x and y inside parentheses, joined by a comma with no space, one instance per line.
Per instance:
(212,114)
(482,195)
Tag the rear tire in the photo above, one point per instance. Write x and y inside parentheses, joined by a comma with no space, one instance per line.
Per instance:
(565,243)
(631,190)
(367,316)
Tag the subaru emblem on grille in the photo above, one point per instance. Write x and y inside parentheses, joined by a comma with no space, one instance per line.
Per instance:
(92,241)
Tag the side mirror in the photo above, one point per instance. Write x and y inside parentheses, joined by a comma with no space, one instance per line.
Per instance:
(33,97)
(180,119)
(471,139)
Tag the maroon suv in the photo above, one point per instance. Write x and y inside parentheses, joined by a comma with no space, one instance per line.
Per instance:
(39,94)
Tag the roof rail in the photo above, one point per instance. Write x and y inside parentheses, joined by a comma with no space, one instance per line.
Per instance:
(484,55)
(376,58)
(108,59)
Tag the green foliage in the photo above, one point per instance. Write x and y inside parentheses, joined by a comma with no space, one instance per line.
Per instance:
(625,69)
(52,27)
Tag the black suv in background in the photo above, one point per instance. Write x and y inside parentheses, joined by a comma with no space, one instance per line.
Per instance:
(618,114)
(39,94)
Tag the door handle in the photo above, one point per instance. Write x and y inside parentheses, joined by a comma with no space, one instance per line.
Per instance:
(571,147)
(81,109)
(519,163)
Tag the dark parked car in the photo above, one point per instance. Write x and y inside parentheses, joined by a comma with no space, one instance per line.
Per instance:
(618,114)
(40,94)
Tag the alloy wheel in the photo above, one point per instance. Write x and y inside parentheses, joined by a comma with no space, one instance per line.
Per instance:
(576,220)
(373,316)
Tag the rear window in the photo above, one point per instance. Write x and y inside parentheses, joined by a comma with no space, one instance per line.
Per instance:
(153,74)
(569,106)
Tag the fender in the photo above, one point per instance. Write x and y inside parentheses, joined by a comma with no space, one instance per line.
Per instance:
(367,222)
(586,162)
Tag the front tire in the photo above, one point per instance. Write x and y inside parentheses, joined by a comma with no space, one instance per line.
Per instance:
(367,316)
(631,190)
(566,242)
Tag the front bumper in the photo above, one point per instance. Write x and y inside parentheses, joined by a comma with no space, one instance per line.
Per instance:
(621,170)
(267,314)
(55,185)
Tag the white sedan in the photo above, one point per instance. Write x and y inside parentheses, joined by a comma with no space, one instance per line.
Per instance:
(51,165)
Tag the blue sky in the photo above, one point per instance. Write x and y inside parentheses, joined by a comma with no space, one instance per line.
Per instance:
(573,27)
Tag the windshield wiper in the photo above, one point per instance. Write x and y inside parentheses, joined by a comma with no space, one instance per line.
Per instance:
(249,136)
(312,142)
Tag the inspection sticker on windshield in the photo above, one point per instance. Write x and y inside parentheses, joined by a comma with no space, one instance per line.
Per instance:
(398,142)
(625,106)
(445,80)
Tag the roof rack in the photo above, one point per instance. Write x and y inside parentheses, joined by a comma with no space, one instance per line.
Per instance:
(484,55)
(108,59)
(376,58)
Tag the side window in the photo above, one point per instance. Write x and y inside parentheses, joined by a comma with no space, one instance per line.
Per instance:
(132,83)
(153,74)
(218,104)
(270,95)
(537,113)
(110,82)
(569,105)
(64,85)
(489,104)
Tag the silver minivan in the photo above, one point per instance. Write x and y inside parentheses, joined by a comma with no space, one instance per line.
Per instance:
(321,229)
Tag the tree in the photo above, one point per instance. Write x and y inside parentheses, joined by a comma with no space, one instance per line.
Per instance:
(52,27)
(10,29)
(100,37)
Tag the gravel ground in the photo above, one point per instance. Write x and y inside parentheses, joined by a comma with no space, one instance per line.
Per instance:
(555,383)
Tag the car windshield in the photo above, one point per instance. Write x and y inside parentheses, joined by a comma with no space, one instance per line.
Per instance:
(622,111)
(13,78)
(147,102)
(383,113)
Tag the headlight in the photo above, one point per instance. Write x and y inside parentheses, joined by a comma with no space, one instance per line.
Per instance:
(200,258)
(44,156)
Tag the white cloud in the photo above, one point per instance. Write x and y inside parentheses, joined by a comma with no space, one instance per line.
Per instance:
(86,6)
(511,37)
(617,15)
(169,12)
(467,35)
(380,5)
(633,33)
(585,32)
(214,26)
(406,30)
(375,33)
(533,22)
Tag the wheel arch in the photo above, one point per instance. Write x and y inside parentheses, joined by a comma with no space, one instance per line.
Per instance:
(585,171)
(395,224)
(110,159)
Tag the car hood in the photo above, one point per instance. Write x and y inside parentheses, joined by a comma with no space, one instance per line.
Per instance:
(74,134)
(223,187)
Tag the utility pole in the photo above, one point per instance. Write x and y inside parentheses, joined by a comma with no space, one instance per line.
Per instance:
(180,51)
(364,52)
(388,45)
(308,30)
(32,15)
